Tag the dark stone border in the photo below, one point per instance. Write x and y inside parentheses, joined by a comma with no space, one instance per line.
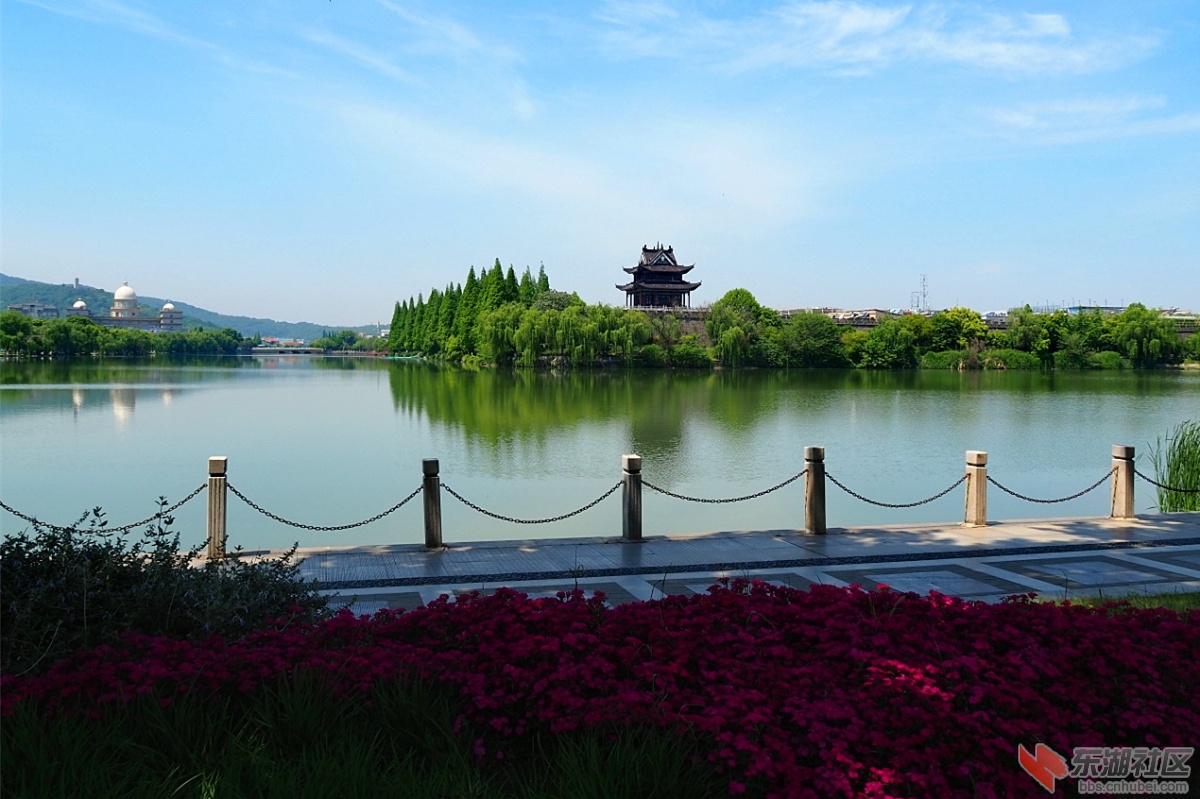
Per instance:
(789,563)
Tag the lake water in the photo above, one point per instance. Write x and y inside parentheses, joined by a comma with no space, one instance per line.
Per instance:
(329,441)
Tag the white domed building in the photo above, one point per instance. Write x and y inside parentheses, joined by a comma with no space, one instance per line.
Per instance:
(125,312)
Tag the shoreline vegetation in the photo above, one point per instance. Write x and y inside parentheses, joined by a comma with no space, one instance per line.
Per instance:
(498,320)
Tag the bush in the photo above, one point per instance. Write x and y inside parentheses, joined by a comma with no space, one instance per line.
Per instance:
(66,589)
(1108,360)
(1009,359)
(950,359)
(651,355)
(690,356)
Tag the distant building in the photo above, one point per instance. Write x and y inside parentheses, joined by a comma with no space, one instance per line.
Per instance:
(35,310)
(658,280)
(126,313)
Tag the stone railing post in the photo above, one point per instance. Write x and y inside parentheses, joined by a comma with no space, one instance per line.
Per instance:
(432,489)
(976,513)
(631,497)
(217,489)
(1122,482)
(814,490)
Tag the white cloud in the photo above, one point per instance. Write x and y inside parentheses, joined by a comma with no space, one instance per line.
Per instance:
(859,37)
(1088,119)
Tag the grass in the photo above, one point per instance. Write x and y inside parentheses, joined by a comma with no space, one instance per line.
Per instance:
(1177,465)
(1178,601)
(295,738)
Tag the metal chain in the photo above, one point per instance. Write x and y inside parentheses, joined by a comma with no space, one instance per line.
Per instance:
(856,495)
(1076,495)
(514,520)
(121,529)
(1166,488)
(788,481)
(319,528)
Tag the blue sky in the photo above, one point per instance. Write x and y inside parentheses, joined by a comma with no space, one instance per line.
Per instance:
(319,160)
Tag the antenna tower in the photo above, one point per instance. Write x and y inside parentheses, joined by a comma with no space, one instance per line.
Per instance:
(919,300)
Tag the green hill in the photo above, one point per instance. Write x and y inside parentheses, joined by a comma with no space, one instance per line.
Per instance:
(14,290)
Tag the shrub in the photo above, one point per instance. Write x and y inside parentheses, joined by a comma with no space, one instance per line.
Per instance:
(1009,359)
(690,356)
(1108,360)
(651,355)
(65,589)
(949,359)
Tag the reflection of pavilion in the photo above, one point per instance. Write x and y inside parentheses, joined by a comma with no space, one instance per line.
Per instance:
(123,401)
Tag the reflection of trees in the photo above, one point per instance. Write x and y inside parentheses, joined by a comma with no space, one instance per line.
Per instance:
(194,369)
(500,407)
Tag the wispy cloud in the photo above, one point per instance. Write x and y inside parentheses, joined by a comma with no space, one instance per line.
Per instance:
(362,55)
(130,17)
(860,37)
(1089,119)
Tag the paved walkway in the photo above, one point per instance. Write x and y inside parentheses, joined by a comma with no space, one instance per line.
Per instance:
(1055,557)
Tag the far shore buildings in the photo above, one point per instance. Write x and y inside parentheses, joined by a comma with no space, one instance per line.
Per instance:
(126,313)
(658,280)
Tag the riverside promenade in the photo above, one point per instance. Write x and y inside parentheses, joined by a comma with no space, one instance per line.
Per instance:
(1056,558)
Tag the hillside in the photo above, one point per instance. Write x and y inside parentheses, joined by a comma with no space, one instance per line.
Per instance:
(18,290)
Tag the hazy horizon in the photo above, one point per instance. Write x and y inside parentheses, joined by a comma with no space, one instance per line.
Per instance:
(323,160)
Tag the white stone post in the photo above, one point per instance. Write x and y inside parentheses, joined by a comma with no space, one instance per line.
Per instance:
(217,489)
(814,490)
(1122,482)
(976,512)
(432,489)
(631,497)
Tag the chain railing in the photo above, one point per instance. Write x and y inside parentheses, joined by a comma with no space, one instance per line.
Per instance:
(104,528)
(1122,474)
(319,528)
(918,503)
(1076,495)
(725,500)
(516,520)
(1159,485)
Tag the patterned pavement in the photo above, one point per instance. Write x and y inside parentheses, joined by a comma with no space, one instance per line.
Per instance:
(1057,558)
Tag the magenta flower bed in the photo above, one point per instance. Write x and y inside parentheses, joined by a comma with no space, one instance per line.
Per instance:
(823,693)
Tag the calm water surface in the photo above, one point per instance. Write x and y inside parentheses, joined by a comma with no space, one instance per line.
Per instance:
(328,441)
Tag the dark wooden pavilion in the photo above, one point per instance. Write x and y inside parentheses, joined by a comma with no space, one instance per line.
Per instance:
(658,280)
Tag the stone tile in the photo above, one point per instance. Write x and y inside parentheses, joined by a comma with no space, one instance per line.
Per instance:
(1087,571)
(945,578)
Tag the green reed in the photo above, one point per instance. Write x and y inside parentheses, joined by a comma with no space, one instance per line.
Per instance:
(1177,466)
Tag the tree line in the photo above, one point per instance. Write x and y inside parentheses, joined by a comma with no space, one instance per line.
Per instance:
(79,336)
(501,320)
(742,332)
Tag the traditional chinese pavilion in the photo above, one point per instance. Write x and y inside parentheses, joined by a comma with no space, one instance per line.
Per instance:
(658,280)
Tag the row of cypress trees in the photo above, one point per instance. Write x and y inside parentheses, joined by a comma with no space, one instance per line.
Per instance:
(447,323)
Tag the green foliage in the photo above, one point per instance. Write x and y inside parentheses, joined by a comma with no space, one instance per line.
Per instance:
(1177,466)
(75,337)
(651,356)
(297,737)
(814,340)
(1144,337)
(1190,348)
(688,355)
(62,590)
(889,345)
(948,359)
(955,329)
(550,300)
(1008,359)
